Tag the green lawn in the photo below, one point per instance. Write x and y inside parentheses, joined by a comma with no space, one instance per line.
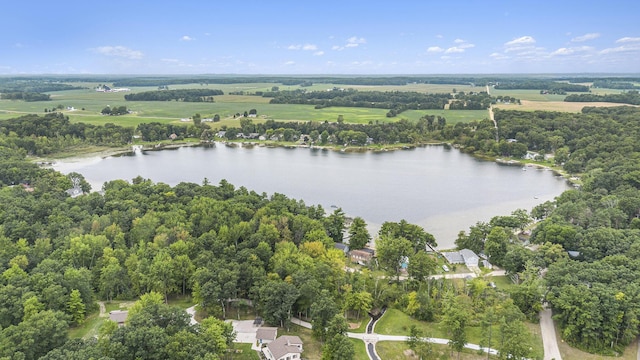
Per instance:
(360,349)
(395,350)
(89,327)
(243,352)
(395,322)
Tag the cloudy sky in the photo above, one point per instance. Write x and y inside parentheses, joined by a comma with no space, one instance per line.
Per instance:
(319,37)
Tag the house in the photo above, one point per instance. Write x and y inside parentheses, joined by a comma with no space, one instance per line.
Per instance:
(343,247)
(464,256)
(470,258)
(454,257)
(266,335)
(283,348)
(118,316)
(361,256)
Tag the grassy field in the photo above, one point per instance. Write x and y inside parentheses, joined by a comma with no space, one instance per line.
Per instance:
(561,106)
(89,103)
(571,353)
(360,349)
(243,352)
(395,322)
(397,350)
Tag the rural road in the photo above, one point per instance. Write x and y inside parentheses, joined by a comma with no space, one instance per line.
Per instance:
(549,339)
(192,314)
(103,309)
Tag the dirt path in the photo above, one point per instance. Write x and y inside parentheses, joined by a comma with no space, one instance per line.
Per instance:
(103,309)
(549,339)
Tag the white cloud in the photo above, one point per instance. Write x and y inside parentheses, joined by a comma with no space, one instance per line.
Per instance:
(355,41)
(170,60)
(305,47)
(454,49)
(622,48)
(570,51)
(186,38)
(628,39)
(336,47)
(466,46)
(498,56)
(521,41)
(585,37)
(288,63)
(318,53)
(119,51)
(435,49)
(458,41)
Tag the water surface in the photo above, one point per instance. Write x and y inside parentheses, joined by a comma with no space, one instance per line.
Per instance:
(439,188)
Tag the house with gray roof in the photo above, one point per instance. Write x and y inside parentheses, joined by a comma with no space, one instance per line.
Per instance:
(118,316)
(464,256)
(266,335)
(283,348)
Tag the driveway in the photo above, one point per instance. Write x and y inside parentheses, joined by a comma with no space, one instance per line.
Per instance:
(245,331)
(549,338)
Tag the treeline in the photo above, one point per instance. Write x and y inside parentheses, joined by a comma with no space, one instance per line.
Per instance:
(41,135)
(397,101)
(33,85)
(187,95)
(594,291)
(323,133)
(532,84)
(26,96)
(612,84)
(629,97)
(471,101)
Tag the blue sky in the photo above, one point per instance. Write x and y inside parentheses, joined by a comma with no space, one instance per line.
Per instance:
(319,37)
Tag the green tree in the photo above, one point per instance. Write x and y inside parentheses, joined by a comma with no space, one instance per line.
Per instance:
(496,245)
(421,266)
(391,252)
(162,273)
(76,307)
(323,309)
(339,347)
(334,224)
(358,234)
(277,298)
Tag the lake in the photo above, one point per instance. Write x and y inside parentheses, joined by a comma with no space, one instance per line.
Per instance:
(436,187)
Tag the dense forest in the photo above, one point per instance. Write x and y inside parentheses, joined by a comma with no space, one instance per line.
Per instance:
(631,97)
(549,85)
(143,239)
(26,96)
(397,101)
(33,85)
(188,95)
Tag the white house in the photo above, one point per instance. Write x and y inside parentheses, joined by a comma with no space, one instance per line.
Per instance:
(283,348)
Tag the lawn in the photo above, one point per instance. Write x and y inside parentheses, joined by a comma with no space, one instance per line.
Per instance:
(395,350)
(395,322)
(242,352)
(503,283)
(89,328)
(360,349)
(561,106)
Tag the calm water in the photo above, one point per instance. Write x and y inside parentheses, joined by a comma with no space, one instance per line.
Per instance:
(440,189)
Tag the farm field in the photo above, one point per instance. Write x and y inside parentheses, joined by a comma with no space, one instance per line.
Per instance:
(561,106)
(88,103)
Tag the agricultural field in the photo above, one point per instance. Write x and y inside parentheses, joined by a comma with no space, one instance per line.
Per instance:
(88,103)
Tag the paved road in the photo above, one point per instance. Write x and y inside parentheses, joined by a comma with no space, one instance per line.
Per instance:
(549,338)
